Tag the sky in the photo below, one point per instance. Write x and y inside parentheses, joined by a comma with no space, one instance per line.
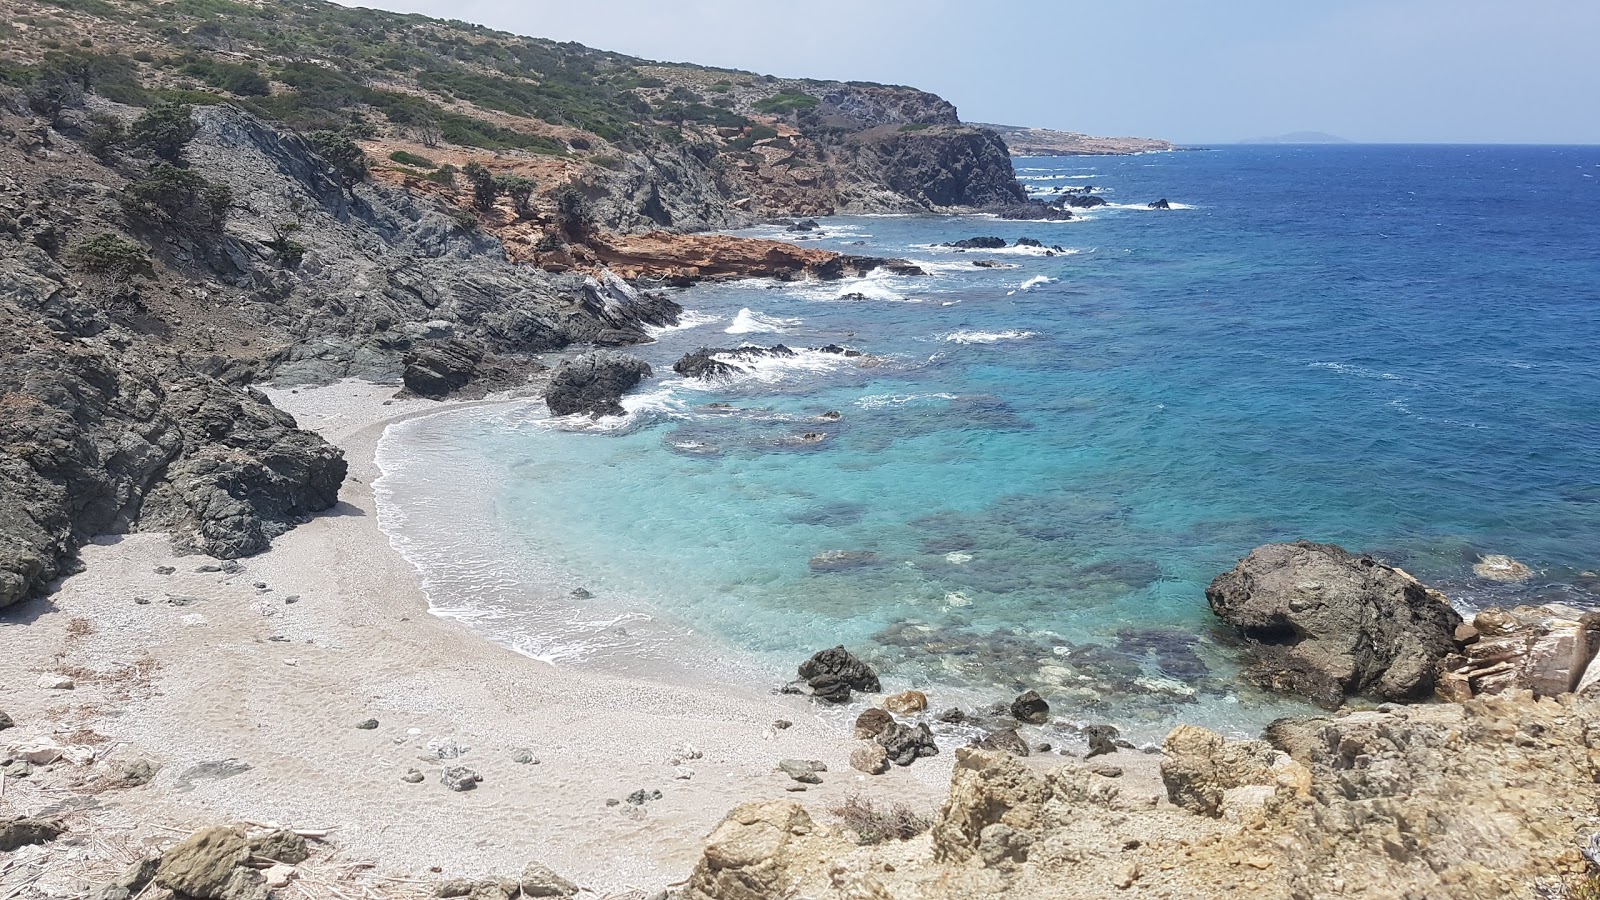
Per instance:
(1192,71)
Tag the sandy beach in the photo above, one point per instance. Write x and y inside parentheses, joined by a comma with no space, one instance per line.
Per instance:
(246,689)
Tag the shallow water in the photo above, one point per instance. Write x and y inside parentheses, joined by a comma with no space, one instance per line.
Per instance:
(1036,468)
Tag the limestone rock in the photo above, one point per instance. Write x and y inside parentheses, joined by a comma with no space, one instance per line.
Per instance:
(210,865)
(906,702)
(539,880)
(1543,649)
(870,758)
(988,789)
(1199,767)
(1327,623)
(1498,567)
(760,851)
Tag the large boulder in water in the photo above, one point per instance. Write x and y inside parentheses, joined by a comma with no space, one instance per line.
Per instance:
(1326,623)
(593,384)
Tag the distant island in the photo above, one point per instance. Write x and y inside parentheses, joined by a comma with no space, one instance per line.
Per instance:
(1299,137)
(1044,142)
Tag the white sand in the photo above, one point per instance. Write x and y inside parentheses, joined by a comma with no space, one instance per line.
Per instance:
(242,675)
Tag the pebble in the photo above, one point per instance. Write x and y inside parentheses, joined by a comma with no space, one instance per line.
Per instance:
(181,600)
(413,776)
(54,682)
(525,757)
(781,724)
(794,788)
(682,773)
(279,876)
(292,598)
(612,801)
(208,568)
(141,601)
(459,778)
(642,796)
(165,570)
(581,594)
(802,770)
(368,725)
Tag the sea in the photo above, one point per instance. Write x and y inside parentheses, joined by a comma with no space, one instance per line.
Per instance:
(1042,455)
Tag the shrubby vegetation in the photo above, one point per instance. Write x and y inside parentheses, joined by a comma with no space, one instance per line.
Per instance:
(170,197)
(346,159)
(407,158)
(113,256)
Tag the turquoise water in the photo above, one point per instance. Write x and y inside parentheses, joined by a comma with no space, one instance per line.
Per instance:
(1038,467)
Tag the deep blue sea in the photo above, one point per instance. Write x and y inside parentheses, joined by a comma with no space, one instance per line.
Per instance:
(1037,467)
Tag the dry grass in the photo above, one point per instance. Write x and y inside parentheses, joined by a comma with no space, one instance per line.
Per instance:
(79,627)
(874,823)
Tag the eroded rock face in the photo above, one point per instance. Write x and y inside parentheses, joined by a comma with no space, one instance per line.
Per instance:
(1327,623)
(593,384)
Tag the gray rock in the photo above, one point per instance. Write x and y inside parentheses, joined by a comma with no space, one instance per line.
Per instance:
(802,770)
(5,721)
(210,865)
(540,881)
(524,757)
(438,368)
(459,778)
(905,744)
(1031,708)
(413,776)
(593,384)
(1005,740)
(281,846)
(367,725)
(27,830)
(1326,623)
(1102,740)
(642,796)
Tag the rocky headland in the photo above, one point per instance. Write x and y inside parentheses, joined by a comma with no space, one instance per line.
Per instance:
(1045,142)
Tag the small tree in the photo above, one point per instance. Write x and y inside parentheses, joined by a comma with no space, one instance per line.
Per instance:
(344,157)
(172,197)
(113,256)
(165,129)
(484,187)
(519,189)
(105,135)
(572,212)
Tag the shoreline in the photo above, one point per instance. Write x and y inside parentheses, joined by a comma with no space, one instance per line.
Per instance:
(211,674)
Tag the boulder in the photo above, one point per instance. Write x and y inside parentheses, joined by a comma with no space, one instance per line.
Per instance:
(593,384)
(989,789)
(1497,567)
(758,852)
(906,702)
(905,744)
(1102,740)
(1326,623)
(280,846)
(802,770)
(872,722)
(1004,741)
(870,758)
(1161,204)
(211,865)
(541,881)
(833,674)
(438,368)
(1031,708)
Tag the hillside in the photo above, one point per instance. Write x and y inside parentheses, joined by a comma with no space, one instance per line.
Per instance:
(1045,142)
(685,146)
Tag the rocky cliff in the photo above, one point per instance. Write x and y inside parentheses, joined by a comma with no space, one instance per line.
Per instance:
(1045,142)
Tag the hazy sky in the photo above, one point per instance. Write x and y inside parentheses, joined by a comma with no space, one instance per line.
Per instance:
(1189,70)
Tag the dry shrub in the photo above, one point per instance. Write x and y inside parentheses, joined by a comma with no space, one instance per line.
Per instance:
(875,823)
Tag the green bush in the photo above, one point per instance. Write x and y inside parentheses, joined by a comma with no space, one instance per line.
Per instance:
(104,135)
(606,161)
(484,187)
(786,102)
(445,174)
(344,157)
(165,129)
(113,256)
(168,196)
(406,158)
(519,189)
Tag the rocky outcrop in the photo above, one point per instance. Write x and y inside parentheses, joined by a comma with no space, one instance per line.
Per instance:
(1326,623)
(700,257)
(1045,142)
(719,363)
(832,674)
(593,384)
(1199,768)
(1548,650)
(760,851)
(941,167)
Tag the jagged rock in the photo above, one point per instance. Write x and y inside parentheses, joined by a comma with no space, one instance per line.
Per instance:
(905,744)
(539,880)
(459,778)
(210,865)
(870,758)
(978,243)
(5,721)
(1102,740)
(905,703)
(832,674)
(1082,201)
(593,384)
(642,796)
(1543,649)
(1199,767)
(872,721)
(987,789)
(1006,740)
(438,368)
(1031,708)
(717,363)
(280,846)
(1160,204)
(1327,623)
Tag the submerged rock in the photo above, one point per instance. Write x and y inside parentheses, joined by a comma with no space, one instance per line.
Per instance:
(1498,567)
(1327,623)
(593,384)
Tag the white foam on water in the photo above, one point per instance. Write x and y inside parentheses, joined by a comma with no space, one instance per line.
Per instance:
(1145,206)
(881,401)
(986,337)
(880,286)
(686,320)
(1035,281)
(749,321)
